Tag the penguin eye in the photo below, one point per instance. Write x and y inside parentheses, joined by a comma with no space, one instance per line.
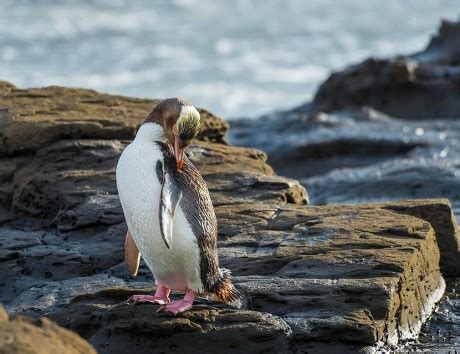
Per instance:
(188,133)
(186,136)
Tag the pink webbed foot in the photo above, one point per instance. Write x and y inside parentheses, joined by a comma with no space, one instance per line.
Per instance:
(176,307)
(179,306)
(161,297)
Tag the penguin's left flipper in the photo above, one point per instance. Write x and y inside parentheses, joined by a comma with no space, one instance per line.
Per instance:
(170,197)
(132,255)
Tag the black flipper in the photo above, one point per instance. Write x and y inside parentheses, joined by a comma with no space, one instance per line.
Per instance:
(170,197)
(196,204)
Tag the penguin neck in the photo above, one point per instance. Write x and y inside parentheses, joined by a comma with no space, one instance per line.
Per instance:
(150,132)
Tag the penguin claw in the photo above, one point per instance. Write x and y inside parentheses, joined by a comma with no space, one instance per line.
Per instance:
(149,298)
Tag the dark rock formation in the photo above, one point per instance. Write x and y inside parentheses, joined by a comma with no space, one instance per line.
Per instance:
(343,275)
(359,152)
(441,334)
(121,327)
(423,85)
(361,156)
(24,335)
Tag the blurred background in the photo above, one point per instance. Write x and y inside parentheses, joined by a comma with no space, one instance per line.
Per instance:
(236,58)
(378,131)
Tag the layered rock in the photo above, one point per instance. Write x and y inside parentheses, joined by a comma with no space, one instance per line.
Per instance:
(347,274)
(367,137)
(359,152)
(35,118)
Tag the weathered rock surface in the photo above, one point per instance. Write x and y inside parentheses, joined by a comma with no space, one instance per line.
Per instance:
(23,335)
(359,152)
(35,118)
(363,156)
(114,326)
(342,274)
(441,334)
(423,85)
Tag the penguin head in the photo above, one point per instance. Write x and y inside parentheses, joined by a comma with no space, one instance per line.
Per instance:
(185,130)
(180,121)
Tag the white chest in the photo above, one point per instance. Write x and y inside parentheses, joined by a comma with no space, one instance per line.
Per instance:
(139,191)
(138,186)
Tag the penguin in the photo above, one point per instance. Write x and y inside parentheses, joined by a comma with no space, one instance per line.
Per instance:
(168,210)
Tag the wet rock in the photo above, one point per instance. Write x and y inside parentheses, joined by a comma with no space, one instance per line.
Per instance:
(360,274)
(359,156)
(202,329)
(359,152)
(118,327)
(339,263)
(423,85)
(314,144)
(38,335)
(442,332)
(350,274)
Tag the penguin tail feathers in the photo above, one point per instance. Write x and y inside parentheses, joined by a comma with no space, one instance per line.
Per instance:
(223,289)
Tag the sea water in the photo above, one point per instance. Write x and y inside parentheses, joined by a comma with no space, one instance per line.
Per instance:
(236,58)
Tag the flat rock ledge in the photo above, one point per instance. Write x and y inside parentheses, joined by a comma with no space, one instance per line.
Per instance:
(312,277)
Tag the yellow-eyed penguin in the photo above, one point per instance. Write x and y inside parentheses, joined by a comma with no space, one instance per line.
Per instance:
(168,210)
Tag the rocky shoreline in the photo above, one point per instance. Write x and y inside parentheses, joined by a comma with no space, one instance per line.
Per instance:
(313,277)
(369,137)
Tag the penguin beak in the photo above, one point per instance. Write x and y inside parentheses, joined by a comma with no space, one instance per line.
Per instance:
(179,153)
